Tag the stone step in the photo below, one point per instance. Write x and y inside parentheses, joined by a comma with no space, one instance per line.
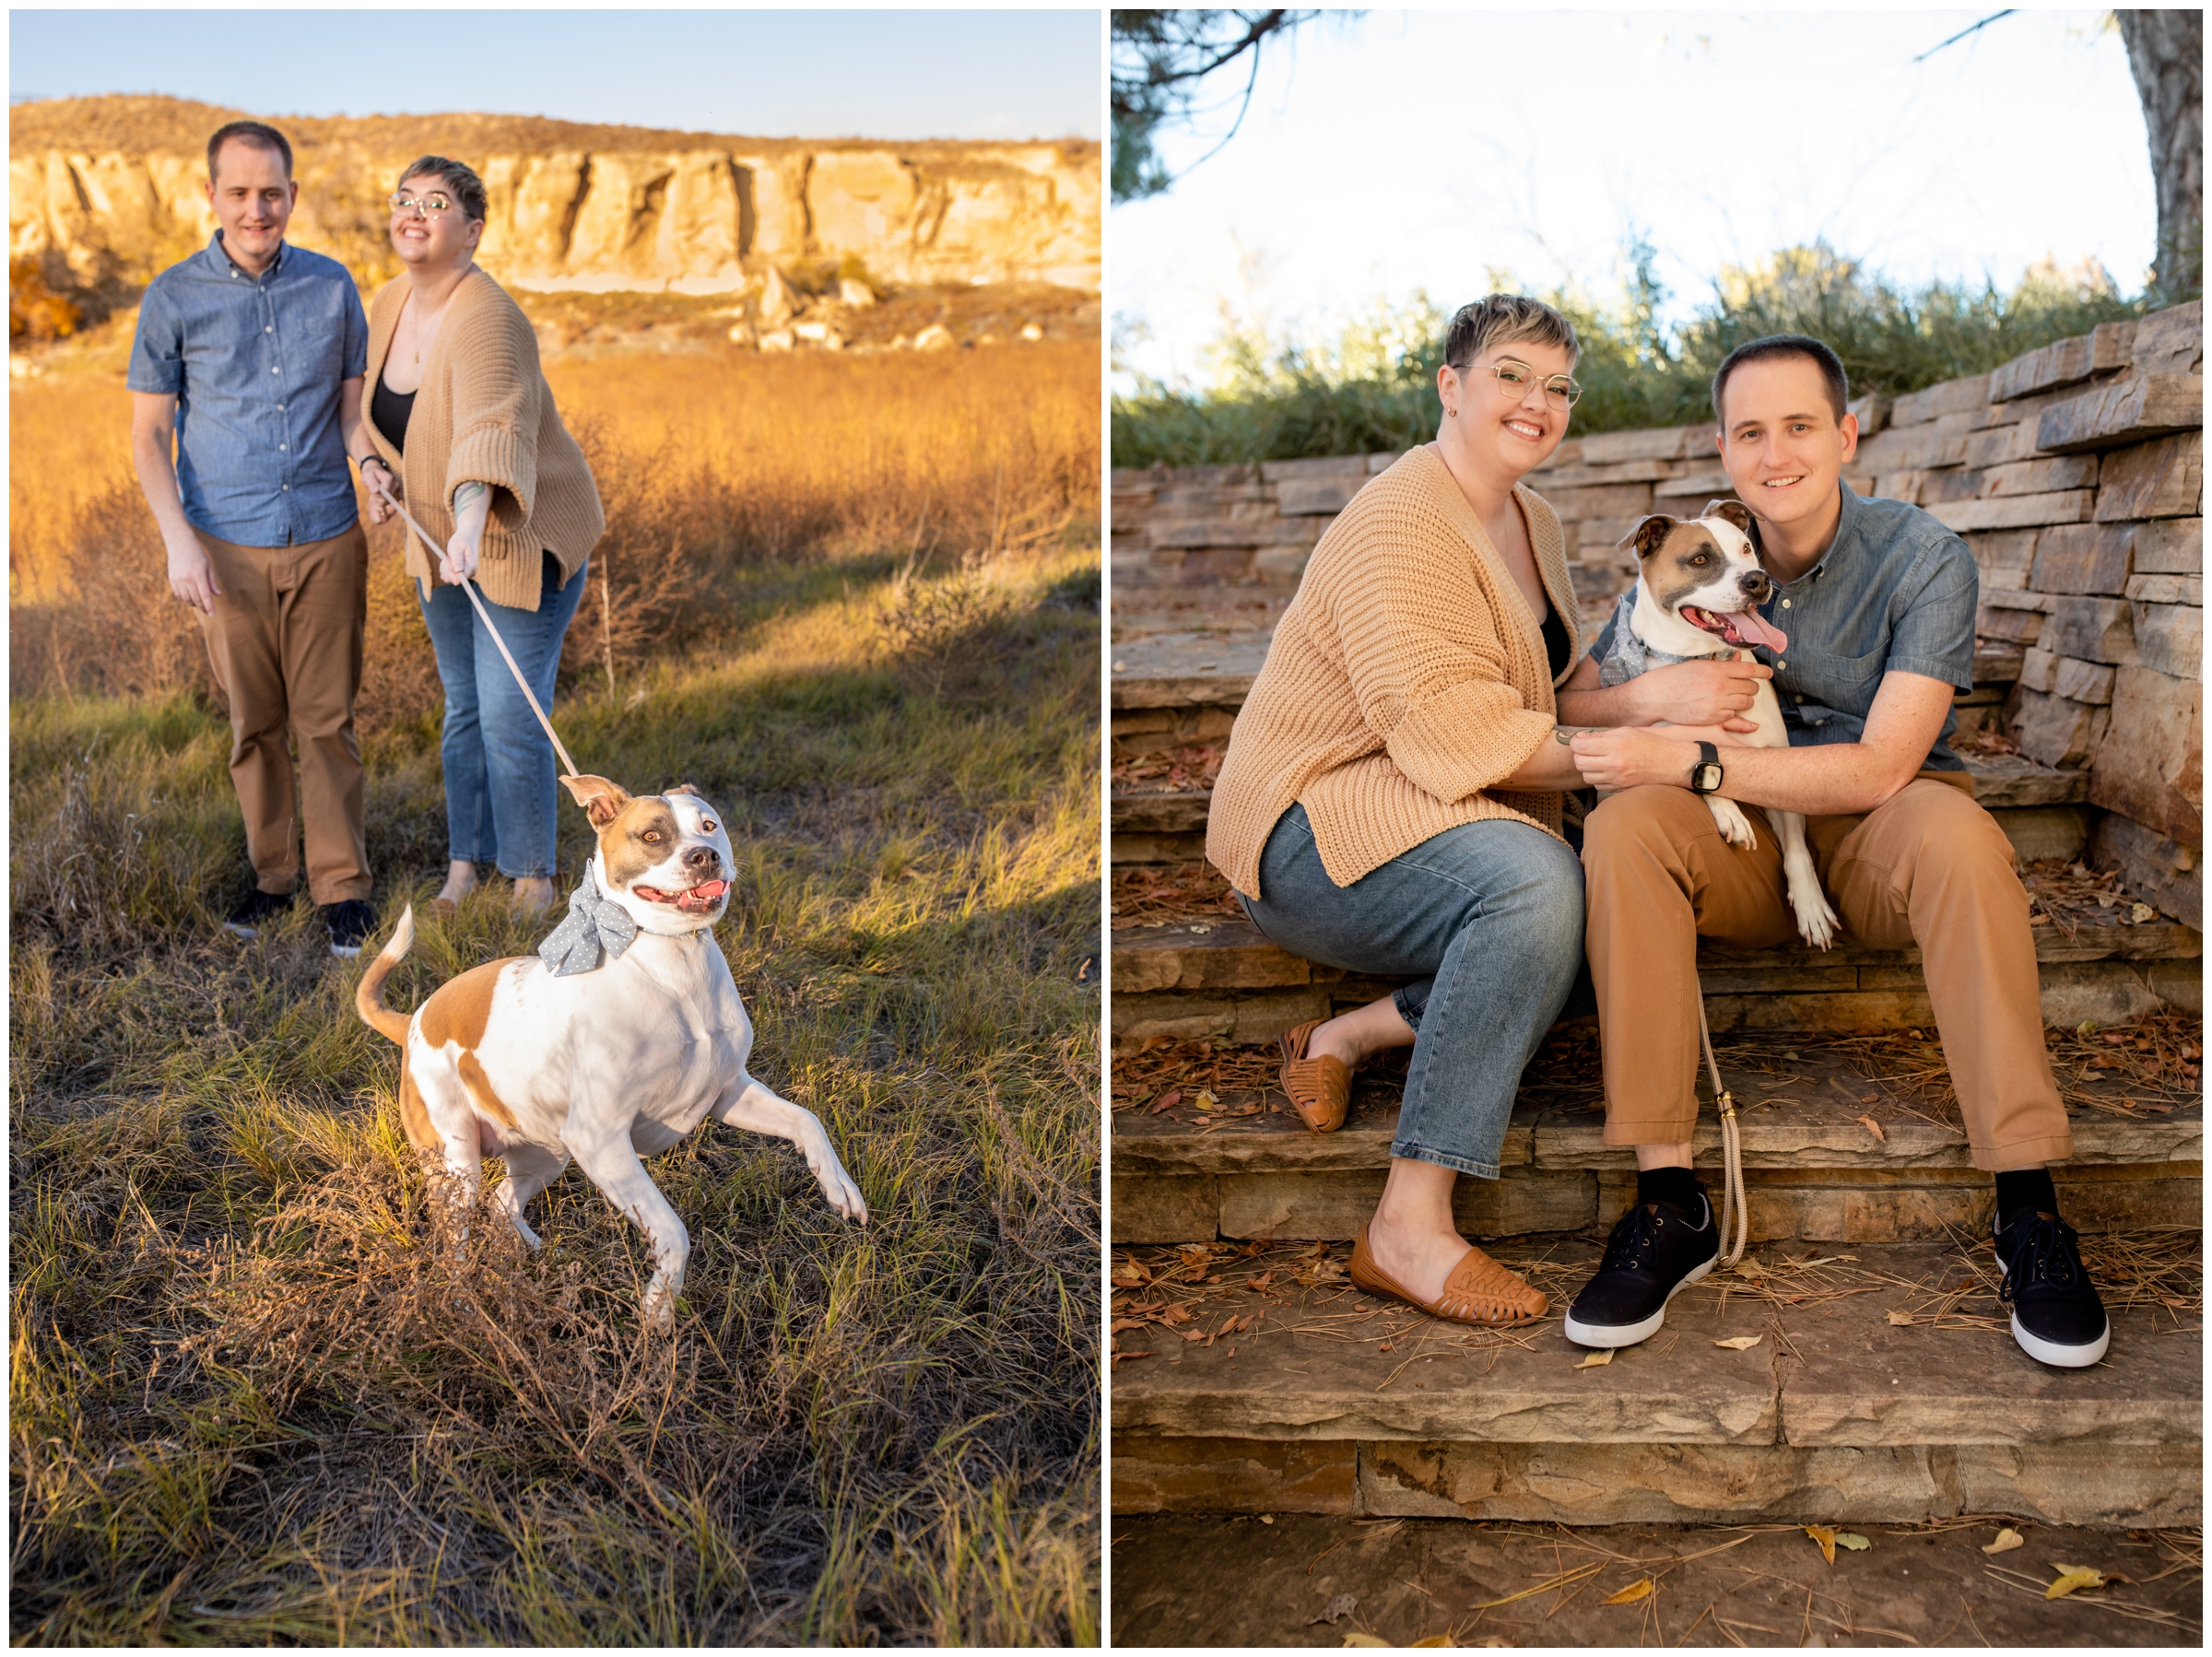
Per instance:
(1221,978)
(1813,1168)
(1884,1386)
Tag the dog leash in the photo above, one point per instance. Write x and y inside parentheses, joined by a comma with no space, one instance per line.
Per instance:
(484,616)
(1731,1151)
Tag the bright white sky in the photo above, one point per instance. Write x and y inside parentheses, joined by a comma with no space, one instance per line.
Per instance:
(1406,150)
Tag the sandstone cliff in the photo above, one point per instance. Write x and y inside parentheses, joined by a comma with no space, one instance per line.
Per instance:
(104,191)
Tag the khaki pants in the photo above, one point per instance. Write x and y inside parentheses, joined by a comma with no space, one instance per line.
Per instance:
(285,643)
(1929,867)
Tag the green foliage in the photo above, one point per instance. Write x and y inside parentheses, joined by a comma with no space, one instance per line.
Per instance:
(1375,390)
(259,1395)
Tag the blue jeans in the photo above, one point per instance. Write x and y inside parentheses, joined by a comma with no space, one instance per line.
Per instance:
(1489,916)
(500,802)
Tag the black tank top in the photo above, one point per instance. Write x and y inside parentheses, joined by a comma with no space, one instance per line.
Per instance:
(391,410)
(1555,641)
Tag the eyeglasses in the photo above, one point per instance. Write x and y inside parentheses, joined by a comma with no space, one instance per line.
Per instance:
(1513,379)
(436,205)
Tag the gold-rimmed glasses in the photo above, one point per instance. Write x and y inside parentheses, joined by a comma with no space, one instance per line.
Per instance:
(1514,377)
(434,204)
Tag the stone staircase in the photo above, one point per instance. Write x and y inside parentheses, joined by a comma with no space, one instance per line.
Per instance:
(1852,1151)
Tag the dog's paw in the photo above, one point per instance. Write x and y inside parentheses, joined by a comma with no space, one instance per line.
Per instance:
(658,1307)
(1735,826)
(841,1194)
(1816,923)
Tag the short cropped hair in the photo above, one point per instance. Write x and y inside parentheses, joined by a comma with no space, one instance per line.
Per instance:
(1503,317)
(460,183)
(1786,345)
(258,133)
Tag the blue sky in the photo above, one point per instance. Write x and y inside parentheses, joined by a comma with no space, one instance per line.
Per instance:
(765,74)
(1424,150)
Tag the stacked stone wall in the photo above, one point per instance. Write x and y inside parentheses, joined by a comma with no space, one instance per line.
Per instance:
(2075,473)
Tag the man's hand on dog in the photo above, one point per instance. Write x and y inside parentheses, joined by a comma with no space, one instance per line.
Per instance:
(1715,692)
(1636,757)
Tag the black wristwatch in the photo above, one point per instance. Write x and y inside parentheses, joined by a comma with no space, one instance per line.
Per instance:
(1705,776)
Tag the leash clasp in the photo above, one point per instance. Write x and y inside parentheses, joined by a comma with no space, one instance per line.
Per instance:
(1726,1104)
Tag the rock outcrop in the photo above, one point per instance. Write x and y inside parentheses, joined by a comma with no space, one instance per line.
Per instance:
(104,191)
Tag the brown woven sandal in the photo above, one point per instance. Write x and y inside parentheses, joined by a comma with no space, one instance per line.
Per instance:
(1480,1290)
(1320,1089)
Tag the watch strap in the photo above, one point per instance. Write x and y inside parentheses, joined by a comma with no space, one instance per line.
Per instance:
(1707,755)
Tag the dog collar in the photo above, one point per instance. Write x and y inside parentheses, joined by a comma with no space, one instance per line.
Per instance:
(596,930)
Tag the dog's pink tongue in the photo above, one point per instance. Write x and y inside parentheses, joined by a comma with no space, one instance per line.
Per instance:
(1758,629)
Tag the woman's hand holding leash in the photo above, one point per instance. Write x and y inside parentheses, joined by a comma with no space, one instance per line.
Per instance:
(448,562)
(472,506)
(385,479)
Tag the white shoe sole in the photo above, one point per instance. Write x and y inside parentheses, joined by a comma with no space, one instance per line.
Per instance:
(1628,1334)
(239,930)
(345,952)
(2063,1357)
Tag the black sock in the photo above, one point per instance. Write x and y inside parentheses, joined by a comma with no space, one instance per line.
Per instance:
(2022,1191)
(1676,1185)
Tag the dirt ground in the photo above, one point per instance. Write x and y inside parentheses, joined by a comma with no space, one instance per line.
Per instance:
(1298,1580)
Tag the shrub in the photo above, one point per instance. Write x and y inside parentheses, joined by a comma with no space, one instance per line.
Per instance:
(1375,389)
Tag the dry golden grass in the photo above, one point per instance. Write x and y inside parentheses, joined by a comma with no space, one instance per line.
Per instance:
(714,466)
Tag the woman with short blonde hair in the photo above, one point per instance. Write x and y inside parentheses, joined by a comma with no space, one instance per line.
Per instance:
(1391,802)
(460,424)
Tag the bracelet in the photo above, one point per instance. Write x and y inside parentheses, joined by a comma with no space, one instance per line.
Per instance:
(367,459)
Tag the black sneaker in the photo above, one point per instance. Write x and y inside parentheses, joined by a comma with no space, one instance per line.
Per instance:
(1653,1254)
(254,909)
(350,923)
(2056,1315)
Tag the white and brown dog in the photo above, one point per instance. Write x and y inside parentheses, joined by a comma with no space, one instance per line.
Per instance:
(1697,590)
(619,1037)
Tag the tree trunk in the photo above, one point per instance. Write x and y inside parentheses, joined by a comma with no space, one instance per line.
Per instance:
(2166,50)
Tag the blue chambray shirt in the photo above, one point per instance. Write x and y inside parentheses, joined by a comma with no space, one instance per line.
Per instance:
(1895,591)
(256,367)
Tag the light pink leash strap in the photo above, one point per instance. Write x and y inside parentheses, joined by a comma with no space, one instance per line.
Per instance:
(469,587)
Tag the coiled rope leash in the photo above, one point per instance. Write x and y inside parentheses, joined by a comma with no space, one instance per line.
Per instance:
(1731,1151)
(484,616)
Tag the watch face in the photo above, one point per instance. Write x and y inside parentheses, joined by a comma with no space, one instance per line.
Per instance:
(1706,777)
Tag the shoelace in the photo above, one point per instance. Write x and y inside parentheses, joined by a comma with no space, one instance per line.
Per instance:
(1631,1246)
(2050,1253)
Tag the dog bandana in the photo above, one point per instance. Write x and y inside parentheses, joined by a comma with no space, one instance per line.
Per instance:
(594,924)
(1630,656)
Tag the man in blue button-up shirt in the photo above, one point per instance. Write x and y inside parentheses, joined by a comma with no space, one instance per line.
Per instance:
(246,373)
(1877,600)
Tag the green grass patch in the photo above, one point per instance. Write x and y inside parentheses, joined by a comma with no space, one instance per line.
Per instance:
(262,1394)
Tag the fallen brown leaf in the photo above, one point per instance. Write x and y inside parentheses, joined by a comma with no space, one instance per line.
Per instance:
(1639,1590)
(1596,1358)
(1875,1128)
(2071,1577)
(1825,1534)
(1741,1343)
(2007,1539)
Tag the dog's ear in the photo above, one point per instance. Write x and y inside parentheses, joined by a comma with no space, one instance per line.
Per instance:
(1731,511)
(602,801)
(684,788)
(1645,537)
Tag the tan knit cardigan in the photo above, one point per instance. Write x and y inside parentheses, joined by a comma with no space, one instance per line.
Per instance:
(1405,680)
(485,412)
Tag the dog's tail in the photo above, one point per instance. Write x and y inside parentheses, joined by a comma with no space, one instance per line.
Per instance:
(369,1000)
